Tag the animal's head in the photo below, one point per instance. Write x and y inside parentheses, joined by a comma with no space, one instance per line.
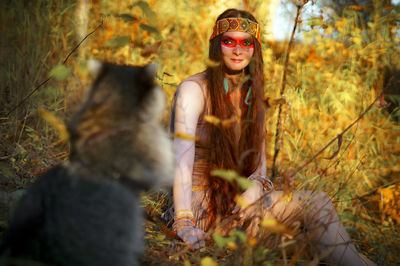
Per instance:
(118,131)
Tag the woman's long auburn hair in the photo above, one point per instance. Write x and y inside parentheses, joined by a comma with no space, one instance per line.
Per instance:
(224,153)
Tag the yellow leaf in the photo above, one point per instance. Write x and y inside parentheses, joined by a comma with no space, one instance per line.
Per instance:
(269,223)
(182,135)
(356,40)
(366,179)
(212,119)
(241,202)
(274,226)
(56,123)
(289,198)
(252,241)
(340,23)
(358,8)
(211,63)
(229,121)
(232,245)
(208,261)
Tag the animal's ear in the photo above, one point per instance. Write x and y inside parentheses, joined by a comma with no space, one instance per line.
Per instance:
(151,69)
(95,67)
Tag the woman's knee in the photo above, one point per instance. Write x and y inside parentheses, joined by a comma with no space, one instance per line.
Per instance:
(311,197)
(324,199)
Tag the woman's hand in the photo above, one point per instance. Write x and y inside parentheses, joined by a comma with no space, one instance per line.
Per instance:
(251,195)
(192,236)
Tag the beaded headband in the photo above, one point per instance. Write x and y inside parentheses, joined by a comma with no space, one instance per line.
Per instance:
(237,24)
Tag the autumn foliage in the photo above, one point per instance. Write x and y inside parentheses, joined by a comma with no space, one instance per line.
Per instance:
(337,68)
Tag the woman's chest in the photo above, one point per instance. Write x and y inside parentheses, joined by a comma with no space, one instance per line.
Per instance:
(236,100)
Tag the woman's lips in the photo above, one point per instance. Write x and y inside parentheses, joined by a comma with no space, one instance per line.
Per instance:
(237,60)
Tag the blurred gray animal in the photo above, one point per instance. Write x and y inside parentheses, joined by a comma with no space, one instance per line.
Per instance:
(87,211)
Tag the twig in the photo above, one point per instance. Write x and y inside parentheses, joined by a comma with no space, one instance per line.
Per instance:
(369,193)
(79,44)
(282,91)
(151,216)
(26,97)
(292,173)
(338,137)
(49,78)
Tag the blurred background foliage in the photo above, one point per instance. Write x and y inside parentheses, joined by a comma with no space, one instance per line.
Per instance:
(344,55)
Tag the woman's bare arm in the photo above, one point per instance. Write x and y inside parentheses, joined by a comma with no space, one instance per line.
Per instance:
(262,166)
(189,105)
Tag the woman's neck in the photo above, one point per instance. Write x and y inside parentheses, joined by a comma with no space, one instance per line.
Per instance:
(234,78)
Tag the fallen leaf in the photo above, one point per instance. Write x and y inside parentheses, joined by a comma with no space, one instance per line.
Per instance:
(208,261)
(56,123)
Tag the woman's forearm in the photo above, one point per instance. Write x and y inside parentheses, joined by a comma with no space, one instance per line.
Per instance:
(262,166)
(259,176)
(183,175)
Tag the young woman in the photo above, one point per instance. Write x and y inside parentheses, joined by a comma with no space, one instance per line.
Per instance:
(232,92)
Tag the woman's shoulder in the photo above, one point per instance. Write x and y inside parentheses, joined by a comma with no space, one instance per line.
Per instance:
(199,79)
(188,100)
(193,84)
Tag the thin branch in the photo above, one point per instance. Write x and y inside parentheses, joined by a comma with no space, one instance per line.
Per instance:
(79,44)
(282,91)
(340,136)
(27,96)
(49,78)
(151,216)
(369,193)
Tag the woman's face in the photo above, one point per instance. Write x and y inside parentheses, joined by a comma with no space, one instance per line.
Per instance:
(237,49)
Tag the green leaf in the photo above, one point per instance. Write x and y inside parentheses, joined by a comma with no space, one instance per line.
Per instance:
(239,234)
(21,150)
(229,175)
(208,261)
(117,42)
(146,10)
(160,237)
(126,17)
(244,183)
(60,72)
(220,240)
(148,28)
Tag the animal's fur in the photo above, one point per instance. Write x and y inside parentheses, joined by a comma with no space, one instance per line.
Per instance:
(86,211)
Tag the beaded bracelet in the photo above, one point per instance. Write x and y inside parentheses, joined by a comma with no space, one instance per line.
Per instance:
(183,218)
(183,212)
(265,182)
